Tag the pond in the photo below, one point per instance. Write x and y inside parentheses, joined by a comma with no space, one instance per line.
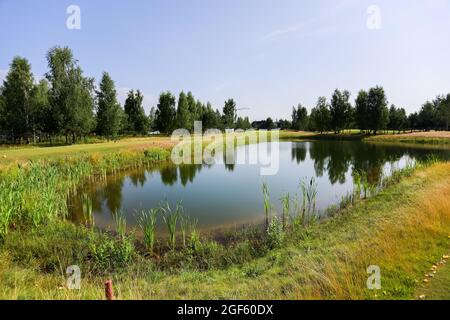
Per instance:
(228,196)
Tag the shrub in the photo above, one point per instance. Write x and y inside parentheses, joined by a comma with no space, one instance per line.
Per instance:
(275,233)
(109,254)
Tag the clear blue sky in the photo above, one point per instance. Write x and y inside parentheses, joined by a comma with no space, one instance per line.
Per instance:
(268,55)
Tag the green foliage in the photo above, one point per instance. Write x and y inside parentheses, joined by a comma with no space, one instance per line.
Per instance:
(120,222)
(184,119)
(171,217)
(36,193)
(137,121)
(50,248)
(229,114)
(109,112)
(340,110)
(19,115)
(300,118)
(244,123)
(377,109)
(320,119)
(165,113)
(71,94)
(109,254)
(286,203)
(362,117)
(147,223)
(267,205)
(397,119)
(275,233)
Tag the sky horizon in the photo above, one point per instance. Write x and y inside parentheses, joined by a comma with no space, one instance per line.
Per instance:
(267,55)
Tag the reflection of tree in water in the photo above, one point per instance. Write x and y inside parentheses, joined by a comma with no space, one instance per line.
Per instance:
(229,159)
(107,191)
(112,193)
(138,177)
(336,157)
(169,175)
(298,151)
(188,172)
(331,156)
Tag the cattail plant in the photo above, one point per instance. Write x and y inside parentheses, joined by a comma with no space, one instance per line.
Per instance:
(309,193)
(266,196)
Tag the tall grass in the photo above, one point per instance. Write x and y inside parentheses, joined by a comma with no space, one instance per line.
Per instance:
(120,222)
(170,218)
(309,194)
(147,223)
(286,203)
(266,201)
(36,192)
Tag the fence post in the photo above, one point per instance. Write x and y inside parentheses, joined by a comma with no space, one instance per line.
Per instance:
(109,290)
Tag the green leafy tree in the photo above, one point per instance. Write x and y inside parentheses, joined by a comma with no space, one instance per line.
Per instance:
(269,125)
(428,116)
(320,119)
(444,110)
(299,118)
(71,94)
(362,111)
(243,123)
(413,121)
(341,110)
(194,113)
(41,104)
(109,113)
(184,117)
(152,119)
(166,113)
(229,114)
(2,110)
(17,95)
(284,124)
(377,109)
(135,113)
(397,119)
(211,119)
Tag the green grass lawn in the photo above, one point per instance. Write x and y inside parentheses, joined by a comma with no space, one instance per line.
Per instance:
(24,153)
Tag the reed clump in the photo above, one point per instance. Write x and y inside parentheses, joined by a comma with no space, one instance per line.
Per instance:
(37,192)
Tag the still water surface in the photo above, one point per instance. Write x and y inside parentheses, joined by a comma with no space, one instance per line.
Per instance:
(222,196)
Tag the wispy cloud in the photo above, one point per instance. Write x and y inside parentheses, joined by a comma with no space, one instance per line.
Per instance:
(308,27)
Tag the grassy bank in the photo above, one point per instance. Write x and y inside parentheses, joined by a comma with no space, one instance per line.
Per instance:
(327,260)
(21,154)
(420,138)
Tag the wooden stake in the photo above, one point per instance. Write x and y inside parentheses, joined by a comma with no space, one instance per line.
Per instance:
(109,290)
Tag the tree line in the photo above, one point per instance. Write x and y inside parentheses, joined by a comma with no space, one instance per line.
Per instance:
(67,103)
(370,114)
